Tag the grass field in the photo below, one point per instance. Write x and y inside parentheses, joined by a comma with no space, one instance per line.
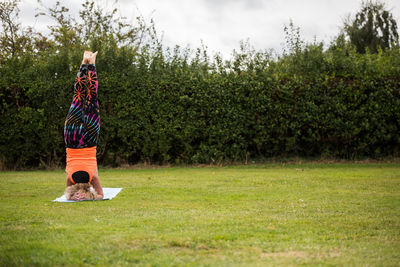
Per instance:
(312,214)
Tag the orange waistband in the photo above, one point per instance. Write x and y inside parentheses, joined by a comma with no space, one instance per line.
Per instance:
(81,159)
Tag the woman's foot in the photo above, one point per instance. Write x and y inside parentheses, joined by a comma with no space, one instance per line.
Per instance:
(86,57)
(92,59)
(89,57)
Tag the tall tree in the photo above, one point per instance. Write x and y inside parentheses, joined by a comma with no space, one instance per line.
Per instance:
(9,27)
(372,27)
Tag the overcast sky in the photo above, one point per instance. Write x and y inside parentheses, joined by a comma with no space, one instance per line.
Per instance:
(221,24)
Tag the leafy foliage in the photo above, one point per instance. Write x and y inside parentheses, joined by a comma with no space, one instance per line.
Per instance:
(182,106)
(372,28)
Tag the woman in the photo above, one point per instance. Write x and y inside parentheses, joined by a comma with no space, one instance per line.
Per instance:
(81,132)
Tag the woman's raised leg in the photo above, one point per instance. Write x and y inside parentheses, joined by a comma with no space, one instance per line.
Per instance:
(74,130)
(91,110)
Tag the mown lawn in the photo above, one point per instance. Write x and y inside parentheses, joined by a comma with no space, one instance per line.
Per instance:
(312,214)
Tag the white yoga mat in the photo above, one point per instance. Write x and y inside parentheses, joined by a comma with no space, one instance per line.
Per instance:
(109,193)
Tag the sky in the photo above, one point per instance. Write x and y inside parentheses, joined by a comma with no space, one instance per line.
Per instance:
(222,24)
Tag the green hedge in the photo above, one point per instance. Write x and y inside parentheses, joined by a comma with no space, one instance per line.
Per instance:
(163,106)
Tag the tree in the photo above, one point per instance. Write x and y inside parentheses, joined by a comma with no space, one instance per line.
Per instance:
(373,27)
(10,28)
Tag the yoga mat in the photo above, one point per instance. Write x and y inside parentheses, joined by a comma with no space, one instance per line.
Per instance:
(109,193)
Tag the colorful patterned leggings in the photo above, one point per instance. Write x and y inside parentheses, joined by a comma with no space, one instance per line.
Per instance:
(82,125)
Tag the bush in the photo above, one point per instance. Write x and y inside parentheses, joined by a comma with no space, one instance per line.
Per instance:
(169,106)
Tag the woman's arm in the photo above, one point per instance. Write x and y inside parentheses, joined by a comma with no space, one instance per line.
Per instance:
(69,183)
(97,186)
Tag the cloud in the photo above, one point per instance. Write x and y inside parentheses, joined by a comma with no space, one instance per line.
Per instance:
(248,4)
(221,24)
(28,9)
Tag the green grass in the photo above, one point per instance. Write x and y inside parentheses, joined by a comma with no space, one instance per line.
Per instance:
(327,214)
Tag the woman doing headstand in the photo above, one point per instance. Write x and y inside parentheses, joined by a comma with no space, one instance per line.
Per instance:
(81,132)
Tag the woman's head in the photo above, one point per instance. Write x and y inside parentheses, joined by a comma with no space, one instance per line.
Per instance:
(79,191)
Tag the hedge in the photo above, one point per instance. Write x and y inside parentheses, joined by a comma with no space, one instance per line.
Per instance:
(168,107)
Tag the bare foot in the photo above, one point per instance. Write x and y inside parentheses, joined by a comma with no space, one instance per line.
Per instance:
(92,59)
(86,57)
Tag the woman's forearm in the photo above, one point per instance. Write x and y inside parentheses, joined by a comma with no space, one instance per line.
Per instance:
(97,187)
(68,183)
